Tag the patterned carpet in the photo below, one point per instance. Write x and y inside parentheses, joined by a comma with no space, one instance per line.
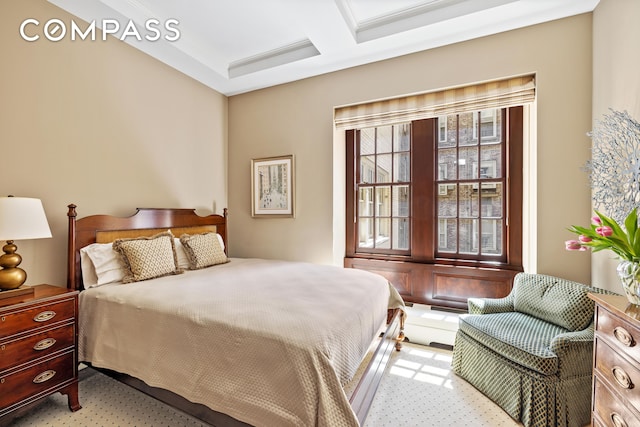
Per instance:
(418,384)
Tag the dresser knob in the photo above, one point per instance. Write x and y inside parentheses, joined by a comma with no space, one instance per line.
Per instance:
(622,378)
(44,316)
(44,344)
(618,421)
(44,376)
(623,336)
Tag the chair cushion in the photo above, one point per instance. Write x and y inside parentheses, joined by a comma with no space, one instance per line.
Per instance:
(516,336)
(559,301)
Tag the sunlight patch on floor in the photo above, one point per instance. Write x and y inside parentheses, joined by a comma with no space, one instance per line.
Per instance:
(423,372)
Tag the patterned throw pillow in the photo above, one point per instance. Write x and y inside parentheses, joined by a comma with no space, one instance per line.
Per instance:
(203,250)
(147,257)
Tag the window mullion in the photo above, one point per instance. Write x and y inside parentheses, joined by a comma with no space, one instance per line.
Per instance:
(479,181)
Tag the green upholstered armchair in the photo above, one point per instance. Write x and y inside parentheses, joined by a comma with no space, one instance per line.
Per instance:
(531,352)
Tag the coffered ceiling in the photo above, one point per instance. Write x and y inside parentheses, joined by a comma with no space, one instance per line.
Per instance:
(235,46)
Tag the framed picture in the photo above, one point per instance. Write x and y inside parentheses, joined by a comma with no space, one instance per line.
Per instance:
(272,181)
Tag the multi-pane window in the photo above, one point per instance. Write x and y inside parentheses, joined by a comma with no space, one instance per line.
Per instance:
(471,181)
(438,190)
(383,188)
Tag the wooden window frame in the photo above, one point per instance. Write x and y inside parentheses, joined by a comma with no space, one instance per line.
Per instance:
(420,276)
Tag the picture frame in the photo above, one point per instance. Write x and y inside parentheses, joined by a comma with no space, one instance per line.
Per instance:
(272,187)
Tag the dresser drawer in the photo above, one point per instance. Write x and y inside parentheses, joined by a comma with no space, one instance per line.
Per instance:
(33,380)
(623,335)
(623,375)
(611,411)
(13,322)
(26,348)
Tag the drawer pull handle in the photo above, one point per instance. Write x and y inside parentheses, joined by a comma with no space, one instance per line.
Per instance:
(45,376)
(44,316)
(621,377)
(44,344)
(618,421)
(623,336)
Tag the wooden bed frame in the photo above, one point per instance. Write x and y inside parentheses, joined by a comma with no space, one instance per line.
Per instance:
(106,228)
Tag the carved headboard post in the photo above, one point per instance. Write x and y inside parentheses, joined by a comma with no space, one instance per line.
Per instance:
(225,212)
(71,250)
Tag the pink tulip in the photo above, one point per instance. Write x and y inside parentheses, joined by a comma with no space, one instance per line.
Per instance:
(604,231)
(573,245)
(596,220)
(584,239)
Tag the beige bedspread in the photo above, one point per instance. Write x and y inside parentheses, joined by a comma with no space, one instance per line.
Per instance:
(269,343)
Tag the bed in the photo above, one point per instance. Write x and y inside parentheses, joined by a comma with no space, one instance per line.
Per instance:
(196,329)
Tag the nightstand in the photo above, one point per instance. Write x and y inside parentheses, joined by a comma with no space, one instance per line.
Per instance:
(38,349)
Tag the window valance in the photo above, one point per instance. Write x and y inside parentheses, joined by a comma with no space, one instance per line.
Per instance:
(495,94)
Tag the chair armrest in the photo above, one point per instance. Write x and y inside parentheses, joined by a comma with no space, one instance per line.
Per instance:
(490,305)
(574,351)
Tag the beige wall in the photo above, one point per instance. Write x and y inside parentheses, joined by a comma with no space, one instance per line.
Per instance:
(296,118)
(616,84)
(104,126)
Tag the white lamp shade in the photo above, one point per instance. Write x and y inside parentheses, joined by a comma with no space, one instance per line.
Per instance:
(22,218)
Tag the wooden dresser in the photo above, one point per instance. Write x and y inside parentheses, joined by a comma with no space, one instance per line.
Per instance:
(38,349)
(616,361)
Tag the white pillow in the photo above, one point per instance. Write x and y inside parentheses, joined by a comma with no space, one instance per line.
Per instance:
(183,261)
(221,241)
(106,264)
(89,277)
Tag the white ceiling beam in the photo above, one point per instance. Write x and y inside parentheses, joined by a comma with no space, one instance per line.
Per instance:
(284,40)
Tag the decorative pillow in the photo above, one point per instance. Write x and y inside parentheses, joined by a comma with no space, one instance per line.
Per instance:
(147,257)
(203,250)
(100,265)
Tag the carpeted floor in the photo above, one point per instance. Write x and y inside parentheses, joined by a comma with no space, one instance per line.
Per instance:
(418,384)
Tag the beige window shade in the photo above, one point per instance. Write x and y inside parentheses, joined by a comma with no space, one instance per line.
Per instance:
(495,94)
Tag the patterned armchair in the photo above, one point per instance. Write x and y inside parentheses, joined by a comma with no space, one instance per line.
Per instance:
(531,352)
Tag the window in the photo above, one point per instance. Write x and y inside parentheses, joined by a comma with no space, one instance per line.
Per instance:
(445,189)
(474,209)
(444,223)
(383,188)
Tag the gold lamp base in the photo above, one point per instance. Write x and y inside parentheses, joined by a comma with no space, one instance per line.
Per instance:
(11,277)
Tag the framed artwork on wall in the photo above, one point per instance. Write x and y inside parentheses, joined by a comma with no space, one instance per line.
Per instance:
(272,187)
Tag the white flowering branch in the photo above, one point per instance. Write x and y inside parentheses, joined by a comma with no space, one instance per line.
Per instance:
(614,168)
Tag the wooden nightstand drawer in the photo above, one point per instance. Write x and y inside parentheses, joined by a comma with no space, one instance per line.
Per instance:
(26,348)
(623,335)
(31,381)
(14,322)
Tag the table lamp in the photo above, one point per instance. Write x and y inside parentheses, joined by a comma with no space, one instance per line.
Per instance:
(21,218)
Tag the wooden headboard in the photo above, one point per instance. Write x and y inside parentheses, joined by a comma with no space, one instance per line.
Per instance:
(145,222)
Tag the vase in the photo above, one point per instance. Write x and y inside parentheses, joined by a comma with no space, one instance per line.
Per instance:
(629,274)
